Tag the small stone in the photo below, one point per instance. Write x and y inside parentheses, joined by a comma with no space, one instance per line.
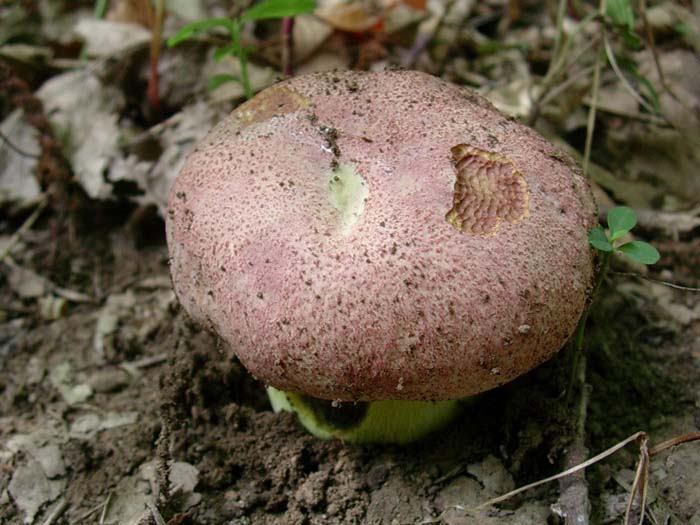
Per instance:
(108,380)
(377,476)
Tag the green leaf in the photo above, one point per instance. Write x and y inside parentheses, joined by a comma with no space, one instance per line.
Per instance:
(599,240)
(620,220)
(620,12)
(640,251)
(682,29)
(278,9)
(231,49)
(190,30)
(652,95)
(217,80)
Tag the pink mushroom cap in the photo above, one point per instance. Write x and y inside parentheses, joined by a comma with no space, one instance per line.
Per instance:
(389,235)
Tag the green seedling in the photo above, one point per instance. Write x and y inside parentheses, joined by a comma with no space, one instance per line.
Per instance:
(621,220)
(265,10)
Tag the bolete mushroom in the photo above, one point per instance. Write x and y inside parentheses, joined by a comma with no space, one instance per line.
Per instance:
(377,246)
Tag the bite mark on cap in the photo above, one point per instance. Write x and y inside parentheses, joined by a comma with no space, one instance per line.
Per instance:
(347,194)
(488,191)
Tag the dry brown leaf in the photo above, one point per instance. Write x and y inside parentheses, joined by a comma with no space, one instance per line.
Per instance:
(132,11)
(354,18)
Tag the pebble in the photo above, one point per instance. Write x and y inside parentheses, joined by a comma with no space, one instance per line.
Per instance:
(108,380)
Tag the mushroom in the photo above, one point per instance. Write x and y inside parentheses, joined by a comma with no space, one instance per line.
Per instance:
(377,246)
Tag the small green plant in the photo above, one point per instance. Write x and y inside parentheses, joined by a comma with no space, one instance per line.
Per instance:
(265,10)
(620,221)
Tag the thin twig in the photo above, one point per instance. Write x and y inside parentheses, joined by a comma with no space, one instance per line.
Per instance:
(568,472)
(147,362)
(625,83)
(590,126)
(640,117)
(554,93)
(105,507)
(156,514)
(6,140)
(560,61)
(640,485)
(95,509)
(658,281)
(26,225)
(59,509)
(673,442)
(561,13)
(574,504)
(558,66)
(655,54)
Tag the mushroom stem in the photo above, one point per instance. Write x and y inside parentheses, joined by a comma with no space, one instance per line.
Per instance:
(385,421)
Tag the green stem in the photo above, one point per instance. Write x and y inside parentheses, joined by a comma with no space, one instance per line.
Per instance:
(101,8)
(556,55)
(577,346)
(242,58)
(384,421)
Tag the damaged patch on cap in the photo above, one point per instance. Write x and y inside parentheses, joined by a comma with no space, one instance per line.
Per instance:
(347,193)
(488,191)
(274,101)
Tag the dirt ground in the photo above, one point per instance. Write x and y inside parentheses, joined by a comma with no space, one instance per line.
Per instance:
(79,429)
(107,389)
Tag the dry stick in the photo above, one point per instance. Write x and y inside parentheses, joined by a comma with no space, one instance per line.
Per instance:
(641,435)
(554,93)
(26,225)
(574,495)
(641,479)
(578,494)
(558,66)
(288,46)
(658,281)
(156,514)
(638,492)
(94,509)
(561,13)
(574,504)
(655,54)
(639,117)
(568,472)
(625,83)
(105,508)
(6,140)
(590,126)
(59,509)
(670,443)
